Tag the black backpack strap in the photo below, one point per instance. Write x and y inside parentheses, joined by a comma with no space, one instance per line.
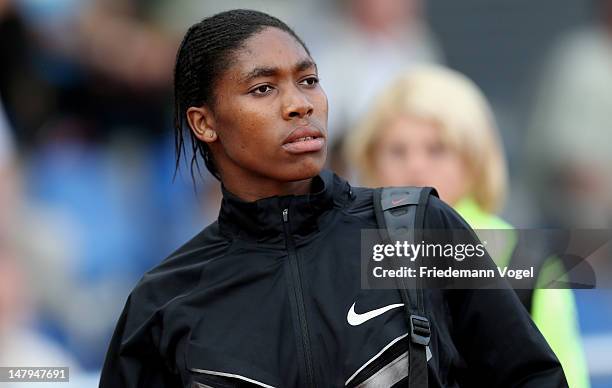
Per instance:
(400,213)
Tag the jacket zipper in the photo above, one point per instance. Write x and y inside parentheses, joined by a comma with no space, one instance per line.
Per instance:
(297,282)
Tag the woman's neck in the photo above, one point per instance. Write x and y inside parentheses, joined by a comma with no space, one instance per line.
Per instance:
(251,189)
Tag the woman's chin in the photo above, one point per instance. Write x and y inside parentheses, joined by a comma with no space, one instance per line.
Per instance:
(302,172)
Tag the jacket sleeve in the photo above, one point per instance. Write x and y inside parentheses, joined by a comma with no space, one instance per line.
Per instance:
(132,359)
(497,340)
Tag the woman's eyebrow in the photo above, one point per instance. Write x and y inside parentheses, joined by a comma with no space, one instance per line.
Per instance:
(305,65)
(257,72)
(267,71)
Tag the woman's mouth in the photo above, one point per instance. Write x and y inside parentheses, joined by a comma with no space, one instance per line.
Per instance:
(304,139)
(305,144)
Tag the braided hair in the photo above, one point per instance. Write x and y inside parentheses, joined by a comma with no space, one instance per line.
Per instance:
(205,52)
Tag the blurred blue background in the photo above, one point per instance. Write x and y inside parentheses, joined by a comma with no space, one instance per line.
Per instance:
(87,198)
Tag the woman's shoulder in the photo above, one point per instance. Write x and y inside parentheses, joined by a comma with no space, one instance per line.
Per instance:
(182,270)
(362,198)
(440,215)
(437,213)
(207,244)
(177,276)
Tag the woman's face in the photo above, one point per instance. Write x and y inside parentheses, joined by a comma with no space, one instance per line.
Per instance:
(270,113)
(410,152)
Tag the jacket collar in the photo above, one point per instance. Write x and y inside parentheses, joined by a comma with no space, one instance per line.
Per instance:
(263,219)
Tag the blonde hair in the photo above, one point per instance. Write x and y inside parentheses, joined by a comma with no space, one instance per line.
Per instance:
(457,106)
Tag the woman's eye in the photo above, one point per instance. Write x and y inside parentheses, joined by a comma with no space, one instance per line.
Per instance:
(310,81)
(397,151)
(437,149)
(261,90)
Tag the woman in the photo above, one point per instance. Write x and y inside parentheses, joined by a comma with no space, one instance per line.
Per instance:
(269,294)
(434,127)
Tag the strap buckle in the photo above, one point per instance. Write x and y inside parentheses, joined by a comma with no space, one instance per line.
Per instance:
(420,330)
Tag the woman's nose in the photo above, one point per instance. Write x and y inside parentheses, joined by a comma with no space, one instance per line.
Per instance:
(297,105)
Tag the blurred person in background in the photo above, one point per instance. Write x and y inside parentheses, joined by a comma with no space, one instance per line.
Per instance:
(86,90)
(568,144)
(8,178)
(433,126)
(373,41)
(21,344)
(569,157)
(59,73)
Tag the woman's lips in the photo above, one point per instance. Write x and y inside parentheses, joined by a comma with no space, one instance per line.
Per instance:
(305,144)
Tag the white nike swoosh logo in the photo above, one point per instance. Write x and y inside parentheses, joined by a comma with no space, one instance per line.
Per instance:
(355,319)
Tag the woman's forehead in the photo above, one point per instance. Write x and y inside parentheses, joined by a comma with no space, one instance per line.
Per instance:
(271,50)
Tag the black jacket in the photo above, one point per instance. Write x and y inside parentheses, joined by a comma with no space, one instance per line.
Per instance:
(262,298)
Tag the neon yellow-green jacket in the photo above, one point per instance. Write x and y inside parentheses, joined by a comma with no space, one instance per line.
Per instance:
(553,311)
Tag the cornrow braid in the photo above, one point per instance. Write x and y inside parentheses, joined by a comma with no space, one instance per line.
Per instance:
(205,52)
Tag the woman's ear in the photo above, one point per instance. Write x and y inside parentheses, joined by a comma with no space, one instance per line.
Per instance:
(201,122)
